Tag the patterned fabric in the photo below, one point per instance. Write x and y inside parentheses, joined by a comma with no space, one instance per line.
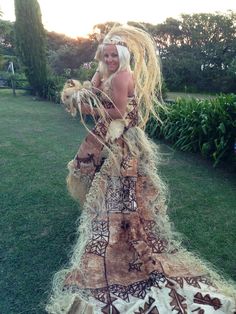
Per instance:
(126,266)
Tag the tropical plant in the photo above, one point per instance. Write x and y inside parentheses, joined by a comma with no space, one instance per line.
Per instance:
(205,126)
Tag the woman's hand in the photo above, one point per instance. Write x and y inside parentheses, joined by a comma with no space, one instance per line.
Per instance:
(88,110)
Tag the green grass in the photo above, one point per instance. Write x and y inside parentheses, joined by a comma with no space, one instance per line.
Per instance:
(202,206)
(176,95)
(37,225)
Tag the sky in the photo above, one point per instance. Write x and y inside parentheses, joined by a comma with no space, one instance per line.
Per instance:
(76,18)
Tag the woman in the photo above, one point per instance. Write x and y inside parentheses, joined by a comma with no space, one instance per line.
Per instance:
(126,259)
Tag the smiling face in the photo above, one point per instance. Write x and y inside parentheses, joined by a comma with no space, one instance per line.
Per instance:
(111,58)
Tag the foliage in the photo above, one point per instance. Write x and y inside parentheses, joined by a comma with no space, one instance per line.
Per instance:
(55,83)
(68,55)
(164,90)
(103,28)
(197,50)
(7,42)
(86,71)
(1,61)
(53,88)
(205,126)
(55,40)
(20,79)
(30,41)
(18,67)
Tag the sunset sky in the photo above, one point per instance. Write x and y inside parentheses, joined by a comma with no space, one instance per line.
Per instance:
(77,18)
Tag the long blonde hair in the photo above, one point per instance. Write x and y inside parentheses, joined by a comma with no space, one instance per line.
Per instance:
(144,62)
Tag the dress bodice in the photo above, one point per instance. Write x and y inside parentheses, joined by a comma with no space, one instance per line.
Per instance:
(111,129)
(105,96)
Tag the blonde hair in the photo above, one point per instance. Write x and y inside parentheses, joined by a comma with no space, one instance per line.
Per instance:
(123,53)
(136,44)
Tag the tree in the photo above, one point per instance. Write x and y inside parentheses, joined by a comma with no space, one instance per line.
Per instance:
(7,40)
(197,50)
(54,41)
(30,43)
(66,53)
(103,28)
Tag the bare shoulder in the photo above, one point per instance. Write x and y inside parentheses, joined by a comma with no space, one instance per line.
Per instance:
(123,75)
(122,78)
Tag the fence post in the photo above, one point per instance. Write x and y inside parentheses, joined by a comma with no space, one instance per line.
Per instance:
(13,86)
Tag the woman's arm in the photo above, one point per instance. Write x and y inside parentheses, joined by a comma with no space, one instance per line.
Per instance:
(96,79)
(119,96)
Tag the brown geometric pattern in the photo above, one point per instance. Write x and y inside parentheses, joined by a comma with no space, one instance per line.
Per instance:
(137,289)
(147,308)
(101,128)
(121,194)
(110,308)
(198,311)
(135,265)
(177,302)
(100,233)
(207,300)
(133,115)
(126,161)
(101,294)
(192,281)
(158,245)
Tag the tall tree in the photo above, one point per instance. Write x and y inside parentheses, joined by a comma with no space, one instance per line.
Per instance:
(72,56)
(30,43)
(197,51)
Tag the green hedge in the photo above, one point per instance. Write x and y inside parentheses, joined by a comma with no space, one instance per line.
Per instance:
(19,79)
(55,83)
(53,88)
(205,126)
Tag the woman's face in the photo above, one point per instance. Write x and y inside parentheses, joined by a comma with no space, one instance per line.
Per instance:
(111,58)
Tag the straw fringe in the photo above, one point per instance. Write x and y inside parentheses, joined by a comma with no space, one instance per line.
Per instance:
(147,154)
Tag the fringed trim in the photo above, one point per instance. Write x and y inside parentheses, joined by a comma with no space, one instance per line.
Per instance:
(77,184)
(79,306)
(147,154)
(69,304)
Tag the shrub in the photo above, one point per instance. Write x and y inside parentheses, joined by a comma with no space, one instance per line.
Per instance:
(205,126)
(19,79)
(53,87)
(86,71)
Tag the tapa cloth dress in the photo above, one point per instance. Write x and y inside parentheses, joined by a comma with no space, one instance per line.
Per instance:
(126,259)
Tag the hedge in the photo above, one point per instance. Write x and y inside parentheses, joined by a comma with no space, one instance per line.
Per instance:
(205,126)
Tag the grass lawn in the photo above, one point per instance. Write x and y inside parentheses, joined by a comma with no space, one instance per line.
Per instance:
(176,95)
(37,225)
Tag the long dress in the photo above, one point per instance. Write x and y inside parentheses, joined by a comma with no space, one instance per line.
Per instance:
(126,259)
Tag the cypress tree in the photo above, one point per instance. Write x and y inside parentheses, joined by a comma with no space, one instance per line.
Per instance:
(30,43)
